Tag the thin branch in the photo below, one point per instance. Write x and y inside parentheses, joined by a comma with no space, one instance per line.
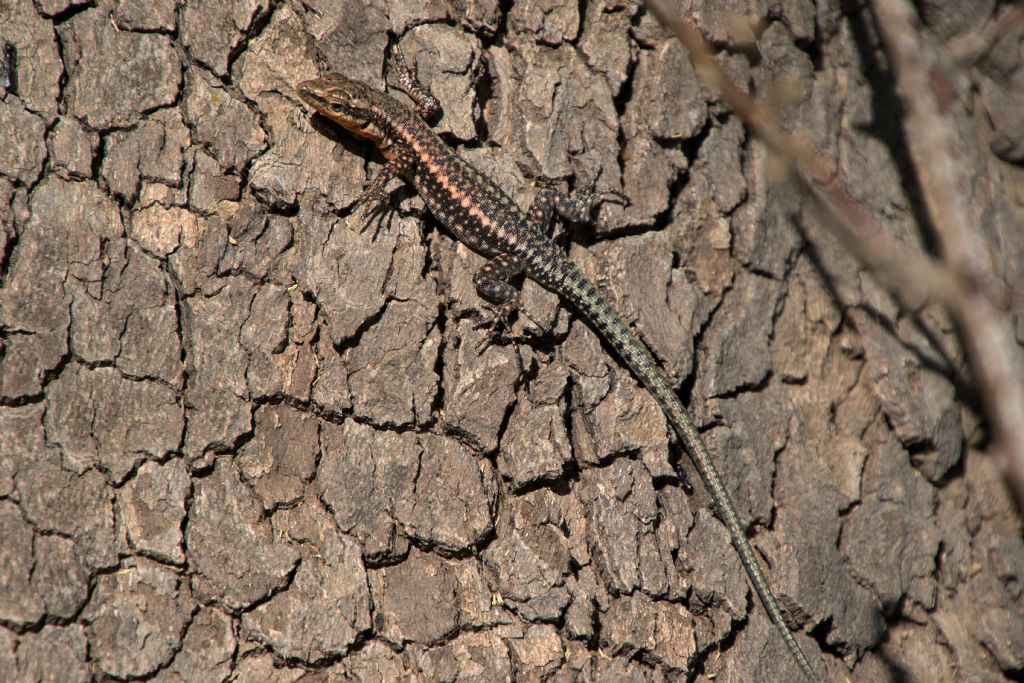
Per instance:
(970,49)
(934,151)
(964,286)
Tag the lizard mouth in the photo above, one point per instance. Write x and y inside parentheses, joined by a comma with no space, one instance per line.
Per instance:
(311,93)
(315,93)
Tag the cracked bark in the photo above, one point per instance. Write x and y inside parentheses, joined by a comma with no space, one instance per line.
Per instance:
(242,437)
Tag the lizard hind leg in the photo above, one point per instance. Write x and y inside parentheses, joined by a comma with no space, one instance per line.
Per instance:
(575,207)
(493,284)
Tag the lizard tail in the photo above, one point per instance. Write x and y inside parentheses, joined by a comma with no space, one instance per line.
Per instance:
(594,307)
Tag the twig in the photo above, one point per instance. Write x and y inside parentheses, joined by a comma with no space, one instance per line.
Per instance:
(964,287)
(934,151)
(970,49)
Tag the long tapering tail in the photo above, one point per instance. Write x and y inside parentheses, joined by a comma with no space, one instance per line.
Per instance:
(594,307)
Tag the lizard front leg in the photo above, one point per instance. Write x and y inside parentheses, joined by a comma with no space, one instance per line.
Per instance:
(427,106)
(401,163)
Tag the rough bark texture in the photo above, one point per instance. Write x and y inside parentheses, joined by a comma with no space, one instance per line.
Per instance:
(242,438)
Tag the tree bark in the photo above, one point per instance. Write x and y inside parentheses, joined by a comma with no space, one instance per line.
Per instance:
(245,435)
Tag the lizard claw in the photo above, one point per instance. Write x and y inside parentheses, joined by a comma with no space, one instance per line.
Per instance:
(612,197)
(376,208)
(497,323)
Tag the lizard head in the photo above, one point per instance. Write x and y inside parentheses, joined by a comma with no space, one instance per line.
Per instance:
(351,104)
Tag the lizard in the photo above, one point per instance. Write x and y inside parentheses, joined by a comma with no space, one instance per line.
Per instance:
(474,210)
